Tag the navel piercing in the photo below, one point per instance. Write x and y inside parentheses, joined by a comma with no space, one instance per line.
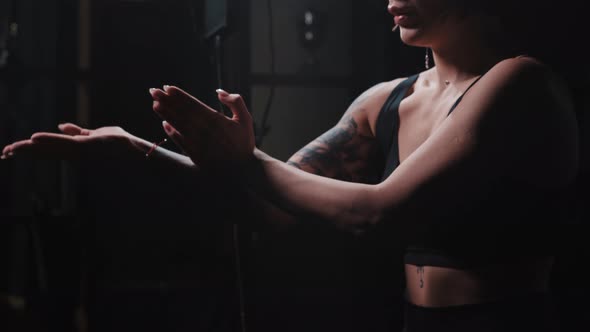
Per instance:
(147,155)
(427,59)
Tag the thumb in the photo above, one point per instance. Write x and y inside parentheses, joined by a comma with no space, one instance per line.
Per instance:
(236,104)
(176,137)
(72,130)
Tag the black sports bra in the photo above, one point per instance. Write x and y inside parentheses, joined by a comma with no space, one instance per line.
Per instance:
(388,122)
(509,223)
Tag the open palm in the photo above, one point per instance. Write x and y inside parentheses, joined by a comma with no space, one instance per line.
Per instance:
(73,143)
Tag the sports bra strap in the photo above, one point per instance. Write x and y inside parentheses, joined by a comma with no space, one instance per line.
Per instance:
(463,94)
(388,123)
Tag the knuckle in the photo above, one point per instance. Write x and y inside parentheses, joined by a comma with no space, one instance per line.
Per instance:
(157,106)
(173,91)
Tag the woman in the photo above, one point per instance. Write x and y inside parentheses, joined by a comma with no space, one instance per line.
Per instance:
(467,178)
(456,159)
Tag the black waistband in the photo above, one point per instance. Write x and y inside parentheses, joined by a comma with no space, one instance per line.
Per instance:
(526,312)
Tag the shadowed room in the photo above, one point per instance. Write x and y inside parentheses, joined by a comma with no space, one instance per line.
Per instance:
(98,236)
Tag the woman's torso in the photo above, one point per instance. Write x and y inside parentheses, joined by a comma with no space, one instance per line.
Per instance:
(492,249)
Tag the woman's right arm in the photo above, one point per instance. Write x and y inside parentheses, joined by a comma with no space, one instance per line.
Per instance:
(347,152)
(164,159)
(105,143)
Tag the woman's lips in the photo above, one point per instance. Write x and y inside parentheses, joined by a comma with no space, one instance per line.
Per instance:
(405,20)
(402,15)
(395,10)
(400,18)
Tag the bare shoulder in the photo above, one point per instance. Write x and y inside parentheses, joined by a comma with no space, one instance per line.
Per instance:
(526,74)
(524,103)
(517,88)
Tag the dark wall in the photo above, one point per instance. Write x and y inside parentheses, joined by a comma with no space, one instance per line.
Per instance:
(39,256)
(137,248)
(129,245)
(162,257)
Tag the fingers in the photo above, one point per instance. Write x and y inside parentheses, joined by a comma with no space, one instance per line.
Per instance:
(183,98)
(41,145)
(44,145)
(7,149)
(56,145)
(158,94)
(51,138)
(11,149)
(50,145)
(168,108)
(236,104)
(6,152)
(72,129)
(183,111)
(175,136)
(24,148)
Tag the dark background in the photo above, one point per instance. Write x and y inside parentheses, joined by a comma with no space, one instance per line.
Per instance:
(116,246)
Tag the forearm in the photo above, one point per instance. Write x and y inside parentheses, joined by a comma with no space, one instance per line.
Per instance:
(347,205)
(164,159)
(269,216)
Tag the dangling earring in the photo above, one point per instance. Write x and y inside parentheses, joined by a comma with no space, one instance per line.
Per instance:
(427,59)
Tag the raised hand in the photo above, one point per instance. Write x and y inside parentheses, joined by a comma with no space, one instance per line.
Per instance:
(74,143)
(211,139)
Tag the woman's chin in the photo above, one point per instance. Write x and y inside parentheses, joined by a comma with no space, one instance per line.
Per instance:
(412,37)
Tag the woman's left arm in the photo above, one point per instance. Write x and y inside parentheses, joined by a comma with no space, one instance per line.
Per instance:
(515,123)
(490,135)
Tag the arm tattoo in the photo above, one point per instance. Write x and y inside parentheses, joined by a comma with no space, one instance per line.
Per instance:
(340,153)
(421,273)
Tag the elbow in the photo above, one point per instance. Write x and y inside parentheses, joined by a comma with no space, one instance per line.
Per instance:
(357,213)
(379,212)
(366,216)
(365,224)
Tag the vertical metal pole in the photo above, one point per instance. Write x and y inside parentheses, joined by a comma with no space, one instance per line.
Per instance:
(239,279)
(84,61)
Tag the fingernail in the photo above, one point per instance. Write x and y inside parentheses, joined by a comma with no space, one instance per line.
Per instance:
(166,126)
(2,157)
(222,92)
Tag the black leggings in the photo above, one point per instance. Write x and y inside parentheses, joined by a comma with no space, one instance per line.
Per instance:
(531,312)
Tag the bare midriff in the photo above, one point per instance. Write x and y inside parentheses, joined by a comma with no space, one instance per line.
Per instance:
(431,286)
